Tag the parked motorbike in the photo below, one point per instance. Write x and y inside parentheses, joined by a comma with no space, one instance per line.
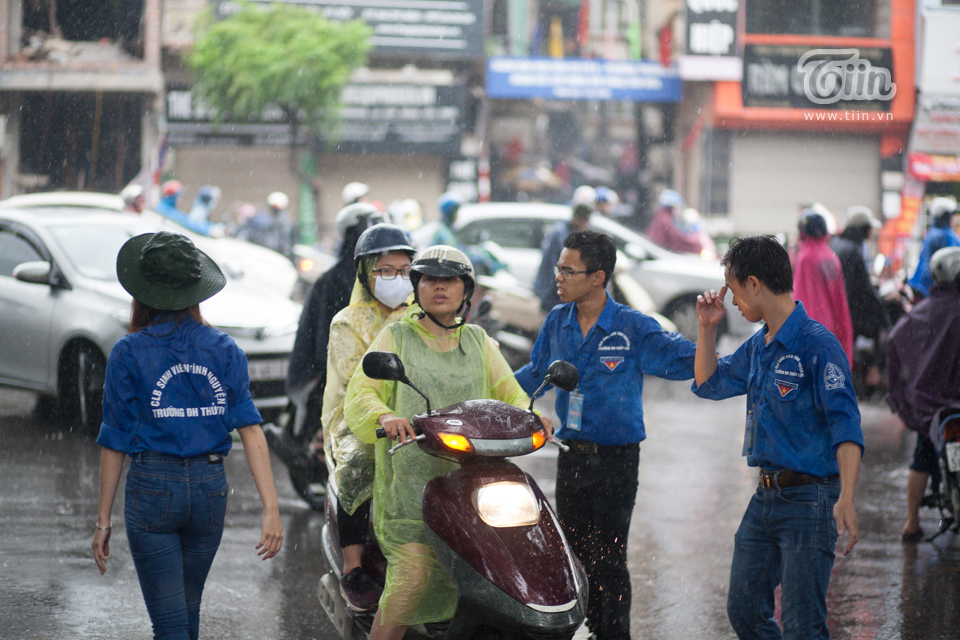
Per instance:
(945,433)
(489,524)
(291,439)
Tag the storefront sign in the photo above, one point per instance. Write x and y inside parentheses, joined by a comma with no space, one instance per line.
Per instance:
(397,118)
(446,28)
(374,118)
(711,52)
(802,77)
(935,168)
(582,79)
(937,125)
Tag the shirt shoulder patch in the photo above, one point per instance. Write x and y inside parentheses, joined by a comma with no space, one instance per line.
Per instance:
(833,377)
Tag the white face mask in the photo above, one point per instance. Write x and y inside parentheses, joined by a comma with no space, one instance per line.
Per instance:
(392,292)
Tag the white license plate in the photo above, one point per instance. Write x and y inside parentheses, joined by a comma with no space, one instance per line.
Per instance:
(267,369)
(953,456)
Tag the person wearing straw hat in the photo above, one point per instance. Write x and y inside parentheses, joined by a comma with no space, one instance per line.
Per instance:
(175,389)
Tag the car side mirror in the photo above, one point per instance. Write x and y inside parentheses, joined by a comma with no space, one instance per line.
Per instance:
(383,365)
(38,272)
(635,251)
(562,374)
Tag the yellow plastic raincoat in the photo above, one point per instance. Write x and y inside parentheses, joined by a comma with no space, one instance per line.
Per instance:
(417,589)
(351,332)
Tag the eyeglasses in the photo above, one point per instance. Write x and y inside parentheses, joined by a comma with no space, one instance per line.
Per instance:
(566,273)
(391,274)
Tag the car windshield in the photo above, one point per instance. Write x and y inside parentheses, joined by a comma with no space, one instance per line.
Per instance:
(92,250)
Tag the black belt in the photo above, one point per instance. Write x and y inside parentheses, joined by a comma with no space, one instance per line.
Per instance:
(209,458)
(785,478)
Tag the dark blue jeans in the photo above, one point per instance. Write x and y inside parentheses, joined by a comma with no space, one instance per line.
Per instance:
(174,510)
(786,538)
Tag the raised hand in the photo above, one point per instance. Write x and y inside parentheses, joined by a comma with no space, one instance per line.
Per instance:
(710,309)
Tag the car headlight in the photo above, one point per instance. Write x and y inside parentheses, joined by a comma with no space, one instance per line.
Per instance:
(507,504)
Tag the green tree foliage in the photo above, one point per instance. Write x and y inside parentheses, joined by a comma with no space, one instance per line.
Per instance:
(278,56)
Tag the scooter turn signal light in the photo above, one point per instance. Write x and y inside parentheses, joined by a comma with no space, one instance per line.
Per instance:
(456,442)
(539,439)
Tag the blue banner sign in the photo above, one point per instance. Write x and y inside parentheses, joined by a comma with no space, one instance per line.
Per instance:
(582,79)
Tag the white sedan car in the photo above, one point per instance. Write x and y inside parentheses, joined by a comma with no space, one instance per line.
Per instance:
(673,280)
(62,309)
(236,257)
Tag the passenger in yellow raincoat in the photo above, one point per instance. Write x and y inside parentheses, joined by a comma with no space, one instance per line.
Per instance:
(450,362)
(383,256)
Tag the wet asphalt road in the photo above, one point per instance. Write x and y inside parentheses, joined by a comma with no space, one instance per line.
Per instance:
(693,488)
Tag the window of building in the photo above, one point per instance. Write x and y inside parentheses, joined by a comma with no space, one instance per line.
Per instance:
(80,141)
(112,28)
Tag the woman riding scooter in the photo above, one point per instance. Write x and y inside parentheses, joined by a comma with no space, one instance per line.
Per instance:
(382,286)
(449,361)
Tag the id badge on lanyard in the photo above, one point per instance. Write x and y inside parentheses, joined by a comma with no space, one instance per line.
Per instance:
(750,428)
(575,410)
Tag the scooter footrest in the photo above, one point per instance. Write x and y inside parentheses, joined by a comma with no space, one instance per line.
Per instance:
(328,591)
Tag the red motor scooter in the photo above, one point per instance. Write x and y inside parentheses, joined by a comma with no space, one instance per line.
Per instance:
(489,524)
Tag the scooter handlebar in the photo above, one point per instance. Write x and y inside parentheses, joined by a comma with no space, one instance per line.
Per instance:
(381,432)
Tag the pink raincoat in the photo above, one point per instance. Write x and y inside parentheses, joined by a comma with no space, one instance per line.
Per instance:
(818,284)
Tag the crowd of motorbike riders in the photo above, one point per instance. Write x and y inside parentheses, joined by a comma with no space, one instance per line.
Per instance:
(384,295)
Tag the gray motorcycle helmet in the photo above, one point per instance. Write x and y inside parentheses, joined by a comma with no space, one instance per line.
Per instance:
(378,239)
(945,265)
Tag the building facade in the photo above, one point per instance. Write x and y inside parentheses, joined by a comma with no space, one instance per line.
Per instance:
(819,110)
(80,88)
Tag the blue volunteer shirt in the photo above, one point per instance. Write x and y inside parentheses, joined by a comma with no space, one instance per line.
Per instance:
(799,394)
(618,350)
(177,389)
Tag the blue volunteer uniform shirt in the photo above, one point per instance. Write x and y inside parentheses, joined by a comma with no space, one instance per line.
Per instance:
(177,389)
(619,349)
(799,396)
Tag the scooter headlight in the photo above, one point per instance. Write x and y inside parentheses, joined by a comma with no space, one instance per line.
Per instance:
(507,504)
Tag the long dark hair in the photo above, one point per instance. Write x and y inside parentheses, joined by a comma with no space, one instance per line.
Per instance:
(142,316)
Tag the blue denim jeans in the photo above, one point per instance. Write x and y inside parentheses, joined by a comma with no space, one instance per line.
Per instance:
(174,510)
(787,537)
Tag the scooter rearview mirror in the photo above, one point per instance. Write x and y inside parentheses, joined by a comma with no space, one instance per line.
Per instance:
(383,365)
(562,374)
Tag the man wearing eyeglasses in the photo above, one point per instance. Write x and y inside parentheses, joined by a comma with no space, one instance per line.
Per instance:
(613,347)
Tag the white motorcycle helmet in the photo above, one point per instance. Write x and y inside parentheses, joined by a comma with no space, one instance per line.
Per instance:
(353,191)
(358,213)
(278,200)
(945,265)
